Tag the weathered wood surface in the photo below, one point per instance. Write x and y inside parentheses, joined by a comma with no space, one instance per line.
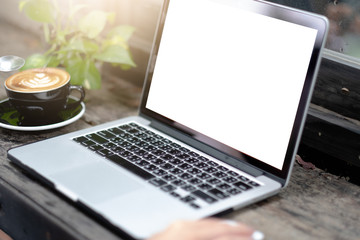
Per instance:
(338,88)
(315,205)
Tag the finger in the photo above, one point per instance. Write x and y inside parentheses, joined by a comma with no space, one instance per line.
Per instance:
(212,228)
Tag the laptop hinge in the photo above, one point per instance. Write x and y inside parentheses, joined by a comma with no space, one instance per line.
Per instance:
(183,137)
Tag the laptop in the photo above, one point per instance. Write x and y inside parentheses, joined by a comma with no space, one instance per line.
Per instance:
(224,102)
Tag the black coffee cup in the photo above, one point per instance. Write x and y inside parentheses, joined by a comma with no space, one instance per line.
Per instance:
(40,94)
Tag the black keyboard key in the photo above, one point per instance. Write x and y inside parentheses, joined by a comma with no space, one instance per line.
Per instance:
(244,179)
(185,166)
(175,145)
(169,177)
(204,159)
(209,169)
(167,166)
(204,176)
(141,152)
(158,152)
(142,163)
(224,186)
(200,165)
(157,182)
(185,176)
(125,135)
(165,147)
(222,168)
(229,179)
(254,184)
(194,154)
(167,157)
(134,140)
(242,186)
(131,167)
(142,144)
(183,149)
(157,143)
(149,148)
(194,171)
(159,172)
(126,154)
(106,134)
(188,188)
(195,181)
(88,143)
(97,138)
(183,156)
(133,158)
(158,162)
(174,151)
(104,152)
(232,173)
(178,182)
(109,145)
(220,174)
(219,194)
(207,198)
(205,186)
(116,131)
(214,181)
(214,164)
(151,167)
(132,148)
(117,140)
(125,127)
(124,144)
(234,191)
(133,131)
(188,199)
(149,157)
(175,161)
(168,188)
(80,139)
(191,160)
(194,205)
(95,148)
(176,171)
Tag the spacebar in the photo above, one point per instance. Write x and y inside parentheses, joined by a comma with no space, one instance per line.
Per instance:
(131,167)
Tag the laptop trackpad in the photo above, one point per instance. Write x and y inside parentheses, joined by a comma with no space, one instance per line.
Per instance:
(96,182)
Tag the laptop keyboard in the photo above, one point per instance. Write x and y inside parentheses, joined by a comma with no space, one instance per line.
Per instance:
(184,174)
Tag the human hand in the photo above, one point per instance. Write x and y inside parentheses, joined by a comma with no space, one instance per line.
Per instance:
(208,229)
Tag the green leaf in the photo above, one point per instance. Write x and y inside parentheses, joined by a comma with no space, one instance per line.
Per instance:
(46,32)
(22,4)
(84,73)
(53,61)
(81,45)
(116,54)
(39,10)
(93,23)
(35,61)
(77,8)
(124,31)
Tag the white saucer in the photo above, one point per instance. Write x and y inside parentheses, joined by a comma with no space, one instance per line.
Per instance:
(42,127)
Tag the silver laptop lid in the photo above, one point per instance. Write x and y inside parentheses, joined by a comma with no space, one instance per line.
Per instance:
(237,76)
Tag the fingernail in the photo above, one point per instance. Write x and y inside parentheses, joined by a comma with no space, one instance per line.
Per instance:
(231,222)
(257,235)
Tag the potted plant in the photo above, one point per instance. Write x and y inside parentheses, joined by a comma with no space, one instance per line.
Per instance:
(78,40)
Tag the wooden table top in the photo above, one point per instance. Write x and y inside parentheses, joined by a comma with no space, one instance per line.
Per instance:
(315,204)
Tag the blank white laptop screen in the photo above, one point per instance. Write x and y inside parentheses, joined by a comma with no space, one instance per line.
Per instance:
(223,80)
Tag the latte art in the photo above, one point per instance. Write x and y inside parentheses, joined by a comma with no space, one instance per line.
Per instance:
(35,80)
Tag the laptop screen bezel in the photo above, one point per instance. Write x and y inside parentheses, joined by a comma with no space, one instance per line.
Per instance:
(271,10)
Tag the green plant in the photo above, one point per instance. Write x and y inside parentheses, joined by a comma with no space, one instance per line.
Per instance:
(78,39)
